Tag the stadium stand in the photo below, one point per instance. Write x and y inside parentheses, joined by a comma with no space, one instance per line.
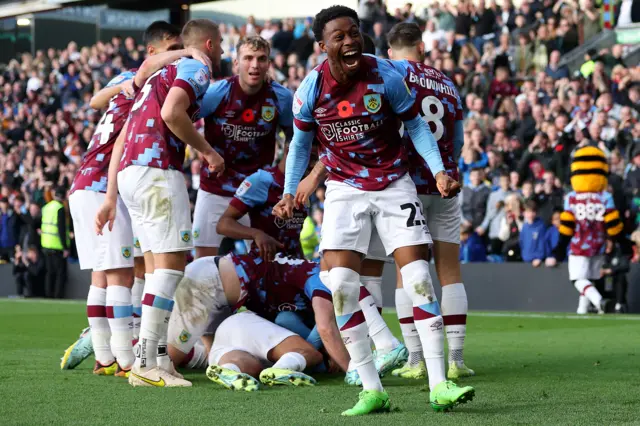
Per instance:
(526,109)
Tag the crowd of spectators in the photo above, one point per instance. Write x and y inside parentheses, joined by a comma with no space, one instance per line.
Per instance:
(524,114)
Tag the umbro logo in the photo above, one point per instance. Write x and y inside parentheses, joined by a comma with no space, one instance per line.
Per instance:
(320,111)
(230,114)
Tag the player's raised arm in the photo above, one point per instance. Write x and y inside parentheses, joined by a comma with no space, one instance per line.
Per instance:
(121,83)
(191,83)
(253,191)
(159,61)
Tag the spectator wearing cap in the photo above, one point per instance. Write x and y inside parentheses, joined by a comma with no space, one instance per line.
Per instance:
(55,244)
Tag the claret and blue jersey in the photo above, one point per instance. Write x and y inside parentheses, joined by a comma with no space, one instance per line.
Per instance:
(357,126)
(92,174)
(257,196)
(242,129)
(441,107)
(149,142)
(286,284)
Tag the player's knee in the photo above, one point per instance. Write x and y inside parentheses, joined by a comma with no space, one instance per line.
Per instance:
(345,281)
(416,280)
(345,289)
(138,267)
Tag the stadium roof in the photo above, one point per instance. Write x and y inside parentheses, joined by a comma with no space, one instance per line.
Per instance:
(10,8)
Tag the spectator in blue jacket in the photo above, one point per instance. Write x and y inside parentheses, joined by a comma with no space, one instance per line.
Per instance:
(472,248)
(532,236)
(552,235)
(8,231)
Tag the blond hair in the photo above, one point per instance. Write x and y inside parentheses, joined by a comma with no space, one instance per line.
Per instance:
(255,43)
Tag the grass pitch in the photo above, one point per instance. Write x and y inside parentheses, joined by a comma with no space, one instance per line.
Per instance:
(539,369)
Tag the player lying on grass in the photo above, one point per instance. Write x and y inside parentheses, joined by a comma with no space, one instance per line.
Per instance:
(245,343)
(215,286)
(256,197)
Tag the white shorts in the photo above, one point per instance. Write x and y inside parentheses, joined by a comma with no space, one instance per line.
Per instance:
(250,333)
(443,217)
(350,215)
(111,250)
(200,304)
(209,209)
(137,249)
(443,221)
(585,268)
(158,203)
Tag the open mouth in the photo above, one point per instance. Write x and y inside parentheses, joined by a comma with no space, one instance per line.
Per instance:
(351,58)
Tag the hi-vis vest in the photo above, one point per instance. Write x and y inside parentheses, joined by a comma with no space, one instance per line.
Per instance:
(50,239)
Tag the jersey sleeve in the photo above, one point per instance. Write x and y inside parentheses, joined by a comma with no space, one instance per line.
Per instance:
(193,77)
(397,92)
(214,96)
(612,220)
(567,202)
(400,66)
(314,288)
(303,102)
(122,77)
(284,106)
(252,192)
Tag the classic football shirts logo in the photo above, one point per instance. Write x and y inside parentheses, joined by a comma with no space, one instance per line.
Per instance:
(346,131)
(241,133)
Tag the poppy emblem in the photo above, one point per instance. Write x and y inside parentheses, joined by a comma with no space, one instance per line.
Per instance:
(248,115)
(345,109)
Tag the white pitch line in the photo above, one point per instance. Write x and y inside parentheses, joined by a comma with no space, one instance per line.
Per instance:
(542,315)
(485,314)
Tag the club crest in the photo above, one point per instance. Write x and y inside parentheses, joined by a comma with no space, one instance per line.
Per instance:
(372,102)
(268,112)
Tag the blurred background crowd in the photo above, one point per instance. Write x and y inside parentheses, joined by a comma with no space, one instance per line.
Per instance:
(525,114)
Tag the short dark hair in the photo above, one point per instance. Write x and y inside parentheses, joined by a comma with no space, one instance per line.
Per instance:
(369,45)
(328,15)
(403,35)
(158,31)
(197,29)
(531,205)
